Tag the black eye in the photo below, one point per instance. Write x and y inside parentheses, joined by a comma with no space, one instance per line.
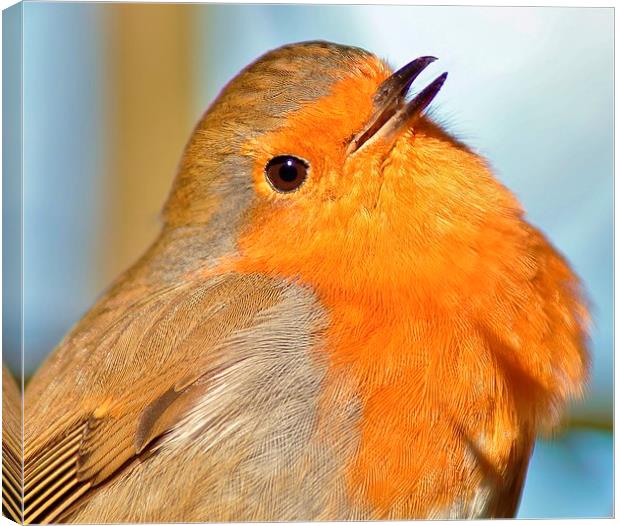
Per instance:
(286,173)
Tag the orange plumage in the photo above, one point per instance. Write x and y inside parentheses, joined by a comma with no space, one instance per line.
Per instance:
(456,319)
(453,330)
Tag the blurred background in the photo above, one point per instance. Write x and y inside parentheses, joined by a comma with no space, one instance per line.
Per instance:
(112,91)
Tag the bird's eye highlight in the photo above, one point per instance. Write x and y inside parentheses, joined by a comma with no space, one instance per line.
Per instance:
(286,173)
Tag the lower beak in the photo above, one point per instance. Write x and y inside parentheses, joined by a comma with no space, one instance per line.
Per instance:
(391,115)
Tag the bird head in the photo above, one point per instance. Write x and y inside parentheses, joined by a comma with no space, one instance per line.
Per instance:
(314,161)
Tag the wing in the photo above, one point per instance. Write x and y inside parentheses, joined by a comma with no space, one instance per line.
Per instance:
(111,391)
(11,448)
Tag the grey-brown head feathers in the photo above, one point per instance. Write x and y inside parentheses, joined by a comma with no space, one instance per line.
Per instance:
(214,182)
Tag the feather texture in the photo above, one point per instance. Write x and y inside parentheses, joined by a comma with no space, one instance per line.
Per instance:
(12,474)
(216,323)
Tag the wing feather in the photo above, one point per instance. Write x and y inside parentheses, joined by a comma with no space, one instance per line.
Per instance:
(11,448)
(174,336)
(51,474)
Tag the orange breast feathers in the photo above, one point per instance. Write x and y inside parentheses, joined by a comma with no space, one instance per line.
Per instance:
(461,326)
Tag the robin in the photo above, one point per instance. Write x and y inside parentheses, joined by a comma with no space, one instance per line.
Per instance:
(345,316)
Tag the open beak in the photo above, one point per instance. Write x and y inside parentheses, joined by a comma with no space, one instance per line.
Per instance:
(391,115)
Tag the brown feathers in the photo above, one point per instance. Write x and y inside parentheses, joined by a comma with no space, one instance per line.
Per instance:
(51,479)
(197,334)
(11,447)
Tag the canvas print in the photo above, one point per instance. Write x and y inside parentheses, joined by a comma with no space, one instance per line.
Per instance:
(306,263)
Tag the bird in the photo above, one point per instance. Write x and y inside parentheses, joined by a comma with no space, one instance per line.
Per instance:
(345,316)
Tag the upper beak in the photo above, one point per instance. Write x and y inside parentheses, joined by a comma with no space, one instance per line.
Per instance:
(391,114)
